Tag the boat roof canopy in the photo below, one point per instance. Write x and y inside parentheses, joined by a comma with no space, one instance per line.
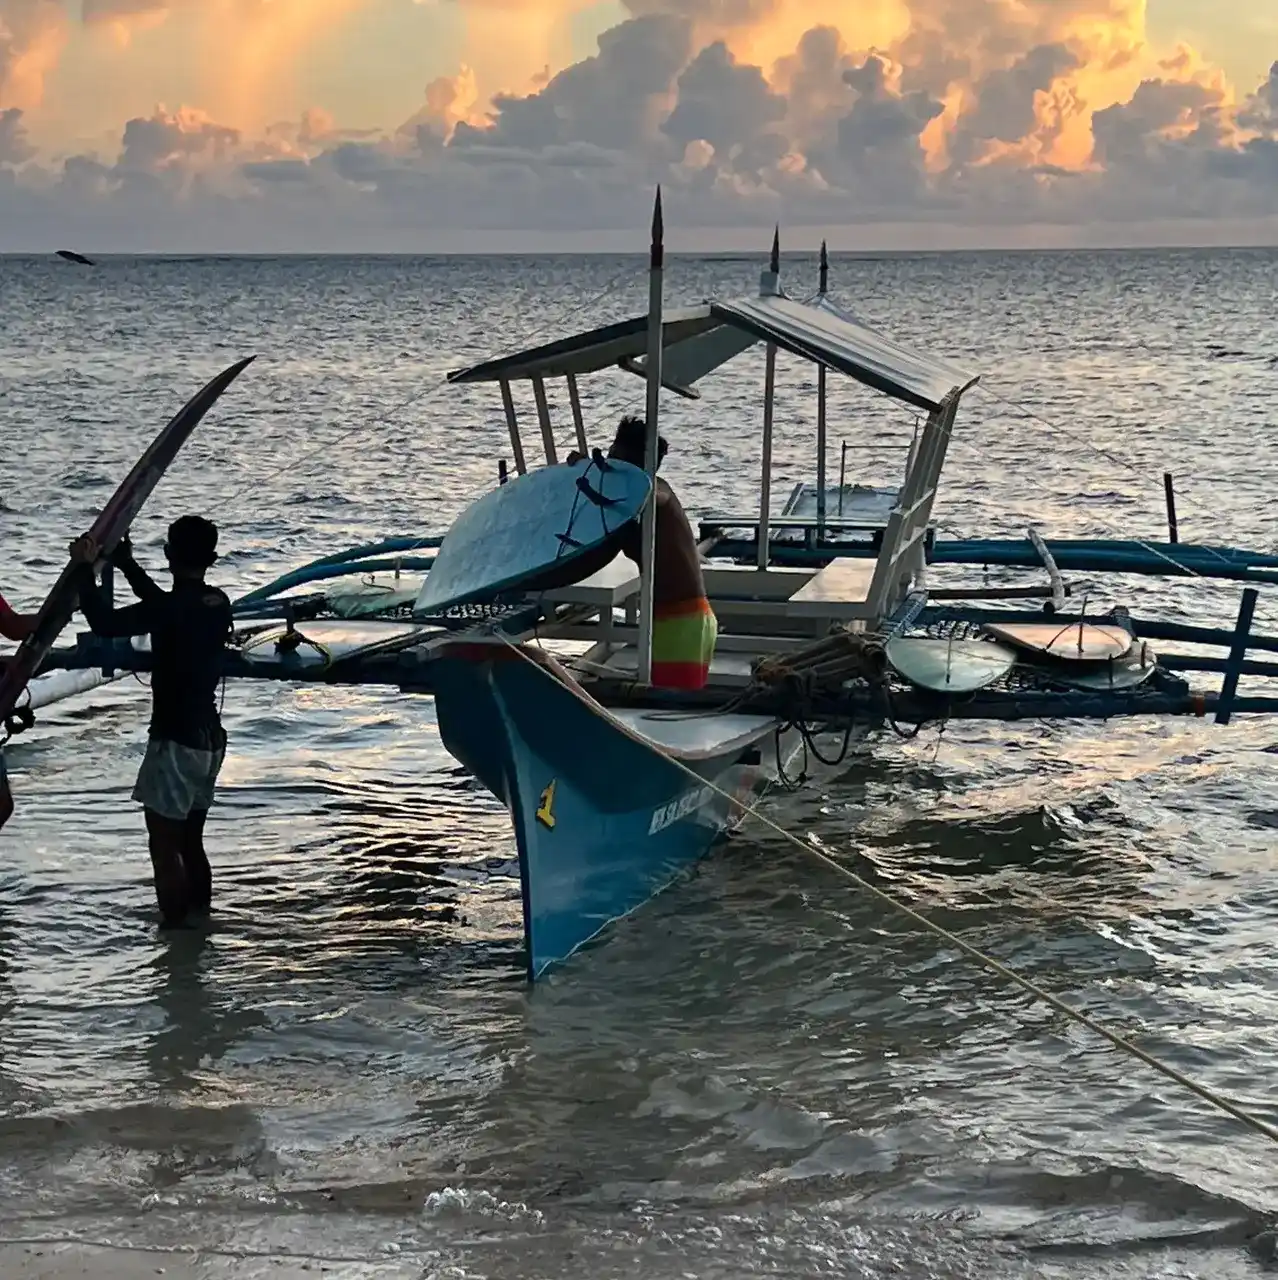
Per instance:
(820,332)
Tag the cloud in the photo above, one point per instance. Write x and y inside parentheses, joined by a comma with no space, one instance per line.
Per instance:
(14,147)
(955,113)
(615,100)
(32,34)
(244,49)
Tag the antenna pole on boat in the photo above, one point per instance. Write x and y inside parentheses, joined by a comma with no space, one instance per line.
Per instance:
(822,290)
(656,264)
(772,283)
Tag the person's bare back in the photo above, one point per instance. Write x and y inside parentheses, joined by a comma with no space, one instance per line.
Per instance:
(677,572)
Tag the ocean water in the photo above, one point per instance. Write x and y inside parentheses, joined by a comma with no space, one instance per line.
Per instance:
(762,1073)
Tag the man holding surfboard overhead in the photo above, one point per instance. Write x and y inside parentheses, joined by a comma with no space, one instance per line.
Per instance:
(189,628)
(684,628)
(13,626)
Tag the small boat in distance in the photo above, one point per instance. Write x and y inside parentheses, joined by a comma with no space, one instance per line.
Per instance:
(70,255)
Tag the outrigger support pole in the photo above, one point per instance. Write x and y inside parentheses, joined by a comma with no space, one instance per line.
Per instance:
(821,411)
(656,265)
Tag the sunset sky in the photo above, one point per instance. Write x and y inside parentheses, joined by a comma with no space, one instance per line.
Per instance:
(430,124)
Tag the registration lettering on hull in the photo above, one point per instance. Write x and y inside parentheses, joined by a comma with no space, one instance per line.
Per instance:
(680,807)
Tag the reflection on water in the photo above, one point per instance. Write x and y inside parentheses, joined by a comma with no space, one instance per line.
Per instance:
(763,1073)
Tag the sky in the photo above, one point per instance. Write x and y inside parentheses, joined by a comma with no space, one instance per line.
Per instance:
(483,125)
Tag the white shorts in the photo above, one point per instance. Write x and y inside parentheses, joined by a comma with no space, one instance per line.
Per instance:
(176,781)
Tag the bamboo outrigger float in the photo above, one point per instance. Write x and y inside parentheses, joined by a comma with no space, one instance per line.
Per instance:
(839,615)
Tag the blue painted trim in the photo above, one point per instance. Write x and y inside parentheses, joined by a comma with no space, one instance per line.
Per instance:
(323,570)
(387,546)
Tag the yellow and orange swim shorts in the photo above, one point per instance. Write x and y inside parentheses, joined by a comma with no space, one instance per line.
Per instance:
(683,639)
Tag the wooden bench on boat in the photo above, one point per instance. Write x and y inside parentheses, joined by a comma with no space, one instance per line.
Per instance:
(615,586)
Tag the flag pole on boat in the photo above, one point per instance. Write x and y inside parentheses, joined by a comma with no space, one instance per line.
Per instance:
(822,290)
(656,264)
(771,288)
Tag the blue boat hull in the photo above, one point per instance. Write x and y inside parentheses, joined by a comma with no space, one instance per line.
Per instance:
(602,822)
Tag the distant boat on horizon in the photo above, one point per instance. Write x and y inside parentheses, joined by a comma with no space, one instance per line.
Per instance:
(71,256)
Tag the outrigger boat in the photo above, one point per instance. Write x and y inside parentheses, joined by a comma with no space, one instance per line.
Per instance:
(832,622)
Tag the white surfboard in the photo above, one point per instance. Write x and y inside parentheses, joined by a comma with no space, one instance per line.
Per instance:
(1064,641)
(1130,673)
(949,666)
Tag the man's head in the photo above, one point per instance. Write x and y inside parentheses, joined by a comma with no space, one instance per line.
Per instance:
(192,545)
(629,443)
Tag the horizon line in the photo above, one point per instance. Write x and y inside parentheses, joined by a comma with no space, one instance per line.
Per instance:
(726,255)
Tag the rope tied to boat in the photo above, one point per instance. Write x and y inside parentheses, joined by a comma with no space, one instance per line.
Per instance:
(552,670)
(826,663)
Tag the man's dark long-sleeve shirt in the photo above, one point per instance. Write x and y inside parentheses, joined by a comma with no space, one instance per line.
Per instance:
(189,628)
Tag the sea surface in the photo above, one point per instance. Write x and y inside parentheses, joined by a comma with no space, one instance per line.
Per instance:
(762,1073)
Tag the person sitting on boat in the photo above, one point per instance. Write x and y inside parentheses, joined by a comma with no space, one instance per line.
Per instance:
(684,628)
(189,629)
(13,626)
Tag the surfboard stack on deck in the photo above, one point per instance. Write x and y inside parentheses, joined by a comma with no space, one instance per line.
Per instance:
(1085,656)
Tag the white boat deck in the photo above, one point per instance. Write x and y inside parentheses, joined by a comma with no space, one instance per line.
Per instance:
(694,735)
(727,668)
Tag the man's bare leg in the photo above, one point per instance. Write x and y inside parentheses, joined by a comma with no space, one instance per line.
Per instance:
(166,837)
(199,875)
(6,801)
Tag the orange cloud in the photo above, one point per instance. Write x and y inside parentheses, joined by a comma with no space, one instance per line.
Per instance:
(949,47)
(511,46)
(32,36)
(1018,81)
(247,48)
(262,44)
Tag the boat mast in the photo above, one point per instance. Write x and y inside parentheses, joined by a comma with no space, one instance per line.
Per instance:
(822,290)
(771,287)
(656,263)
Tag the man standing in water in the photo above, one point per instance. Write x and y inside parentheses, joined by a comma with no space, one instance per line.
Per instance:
(189,629)
(684,628)
(13,626)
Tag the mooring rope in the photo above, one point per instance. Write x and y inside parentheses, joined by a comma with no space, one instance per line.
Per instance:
(550,671)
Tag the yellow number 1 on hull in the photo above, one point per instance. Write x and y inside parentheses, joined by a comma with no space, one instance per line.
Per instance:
(545,807)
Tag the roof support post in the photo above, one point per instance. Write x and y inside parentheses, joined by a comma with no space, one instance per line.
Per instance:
(577,420)
(765,478)
(821,448)
(512,424)
(543,417)
(821,409)
(769,286)
(656,265)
